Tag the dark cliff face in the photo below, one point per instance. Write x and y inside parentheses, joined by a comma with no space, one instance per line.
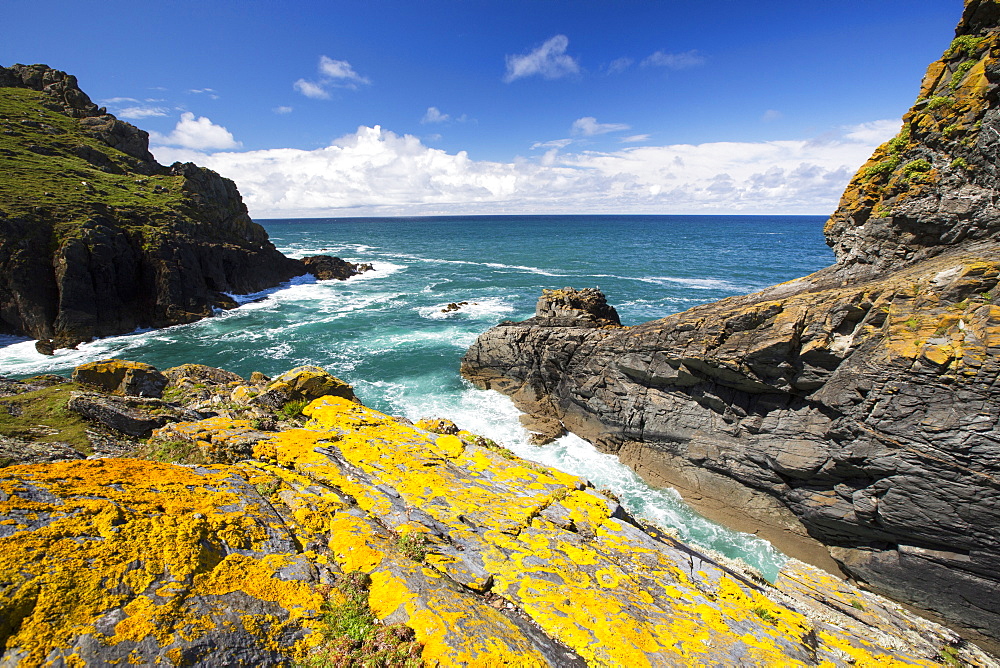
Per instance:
(849,414)
(96,237)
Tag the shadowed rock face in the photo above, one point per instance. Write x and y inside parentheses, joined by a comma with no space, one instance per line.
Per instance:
(96,237)
(856,407)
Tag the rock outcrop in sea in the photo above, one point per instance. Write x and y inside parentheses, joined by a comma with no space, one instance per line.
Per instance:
(850,416)
(97,238)
(278,520)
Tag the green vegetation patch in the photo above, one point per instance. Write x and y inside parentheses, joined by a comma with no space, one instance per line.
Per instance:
(959,74)
(959,163)
(916,166)
(353,635)
(883,167)
(42,415)
(50,168)
(939,101)
(414,546)
(171,452)
(964,45)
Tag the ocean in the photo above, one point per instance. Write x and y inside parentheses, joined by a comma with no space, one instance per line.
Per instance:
(385,331)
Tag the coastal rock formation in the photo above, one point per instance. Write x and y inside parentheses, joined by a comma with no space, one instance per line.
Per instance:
(96,237)
(326,267)
(852,413)
(357,538)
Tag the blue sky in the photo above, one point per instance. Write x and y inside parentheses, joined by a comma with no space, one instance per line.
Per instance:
(384,108)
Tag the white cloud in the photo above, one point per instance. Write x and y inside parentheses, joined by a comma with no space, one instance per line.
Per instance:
(196,133)
(548,60)
(434,115)
(282,110)
(377,172)
(634,139)
(874,131)
(555,143)
(771,115)
(588,127)
(119,100)
(310,89)
(618,65)
(332,73)
(141,112)
(674,61)
(340,72)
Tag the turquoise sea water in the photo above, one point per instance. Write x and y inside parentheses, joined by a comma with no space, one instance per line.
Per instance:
(385,333)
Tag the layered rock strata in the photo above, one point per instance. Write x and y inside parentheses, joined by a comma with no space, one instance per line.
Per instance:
(96,237)
(853,411)
(427,542)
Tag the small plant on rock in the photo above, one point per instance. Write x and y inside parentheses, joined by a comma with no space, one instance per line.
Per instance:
(355,637)
(293,409)
(765,614)
(414,546)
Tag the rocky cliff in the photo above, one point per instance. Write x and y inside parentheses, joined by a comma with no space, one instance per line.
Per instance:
(849,414)
(96,237)
(308,528)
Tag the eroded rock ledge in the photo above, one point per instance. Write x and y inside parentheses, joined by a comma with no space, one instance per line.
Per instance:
(463,553)
(854,409)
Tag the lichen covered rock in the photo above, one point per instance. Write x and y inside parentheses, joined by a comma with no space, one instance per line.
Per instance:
(849,416)
(115,376)
(487,558)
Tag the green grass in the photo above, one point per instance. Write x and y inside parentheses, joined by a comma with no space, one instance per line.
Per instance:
(170,452)
(353,635)
(414,546)
(293,409)
(41,177)
(29,415)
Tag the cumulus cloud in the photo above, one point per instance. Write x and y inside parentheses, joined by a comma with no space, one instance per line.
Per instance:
(434,115)
(340,72)
(332,74)
(549,61)
(196,133)
(311,89)
(588,127)
(376,172)
(674,61)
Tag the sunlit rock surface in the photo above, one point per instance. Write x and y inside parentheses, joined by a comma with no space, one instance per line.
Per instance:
(849,416)
(489,559)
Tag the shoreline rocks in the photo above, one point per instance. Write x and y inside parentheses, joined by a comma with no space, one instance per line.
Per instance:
(436,542)
(854,408)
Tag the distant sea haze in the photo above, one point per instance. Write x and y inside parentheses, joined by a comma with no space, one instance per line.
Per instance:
(387,333)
